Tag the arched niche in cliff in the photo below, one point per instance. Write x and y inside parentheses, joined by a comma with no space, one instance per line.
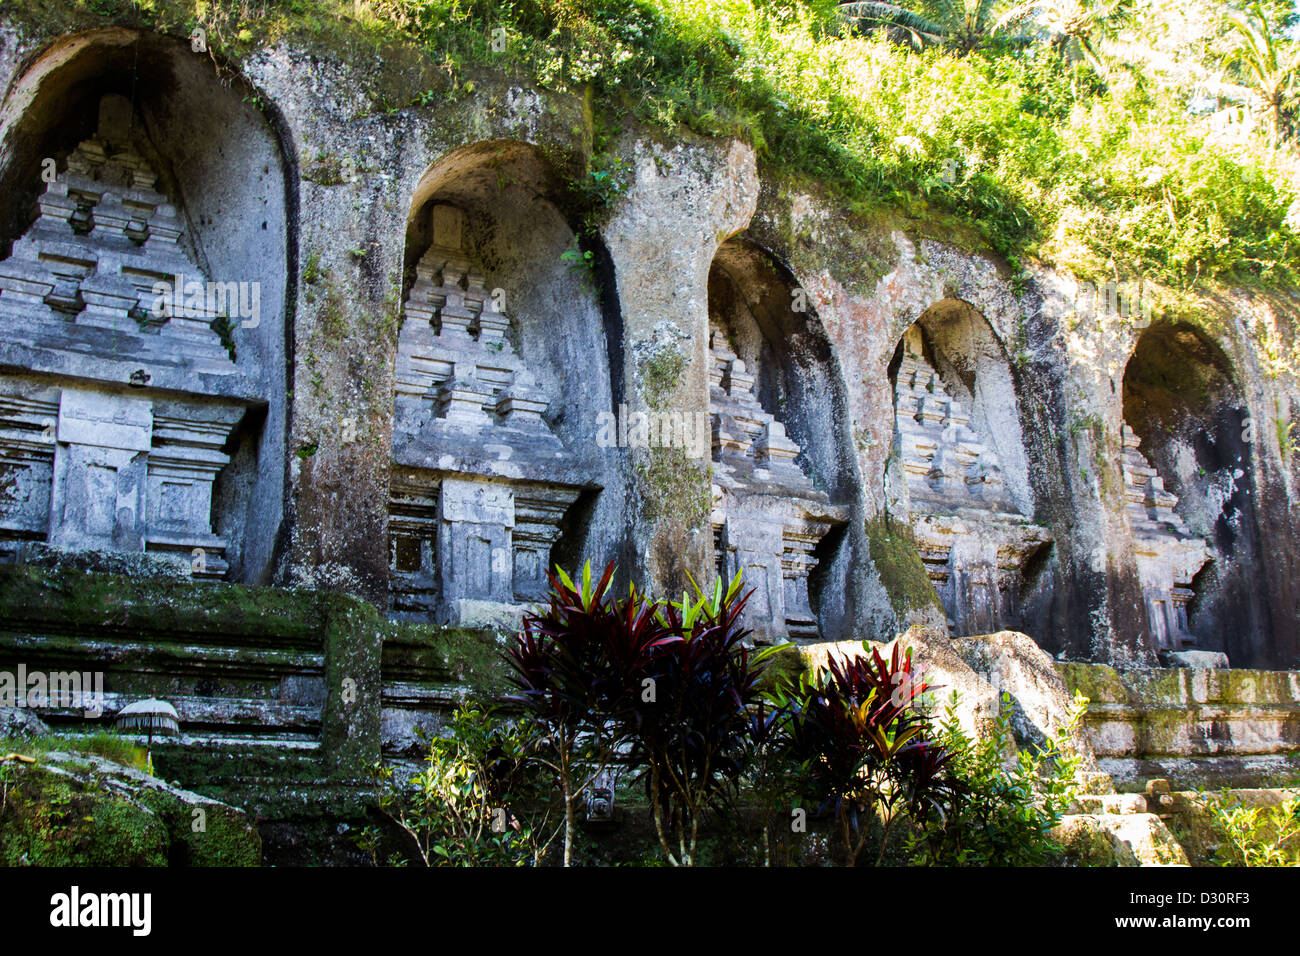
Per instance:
(958,471)
(1190,496)
(783,472)
(502,376)
(142,412)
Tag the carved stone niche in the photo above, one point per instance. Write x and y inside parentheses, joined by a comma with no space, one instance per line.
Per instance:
(113,436)
(972,540)
(480,482)
(767,517)
(1168,555)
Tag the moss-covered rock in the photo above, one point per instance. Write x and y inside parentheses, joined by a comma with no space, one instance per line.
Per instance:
(1128,839)
(65,809)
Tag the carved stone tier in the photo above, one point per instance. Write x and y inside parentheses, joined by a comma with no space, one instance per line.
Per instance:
(481,483)
(973,541)
(943,458)
(86,462)
(1168,555)
(88,276)
(767,518)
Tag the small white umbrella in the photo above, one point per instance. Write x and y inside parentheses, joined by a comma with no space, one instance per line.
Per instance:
(151,716)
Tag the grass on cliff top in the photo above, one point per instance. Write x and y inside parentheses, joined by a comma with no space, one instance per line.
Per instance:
(1039,157)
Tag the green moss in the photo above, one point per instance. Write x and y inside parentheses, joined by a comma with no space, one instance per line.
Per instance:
(897,561)
(660,376)
(1100,683)
(325,170)
(120,750)
(49,819)
(674,485)
(139,607)
(353,635)
(466,656)
(857,246)
(1083,843)
(78,812)
(332,318)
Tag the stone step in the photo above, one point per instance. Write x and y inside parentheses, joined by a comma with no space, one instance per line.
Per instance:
(1109,804)
(1119,839)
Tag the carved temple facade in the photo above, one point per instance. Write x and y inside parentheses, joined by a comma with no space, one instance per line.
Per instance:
(1168,555)
(972,540)
(114,433)
(768,519)
(120,410)
(481,483)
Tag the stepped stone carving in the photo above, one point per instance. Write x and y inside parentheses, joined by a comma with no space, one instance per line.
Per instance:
(973,541)
(767,517)
(87,460)
(480,482)
(1168,555)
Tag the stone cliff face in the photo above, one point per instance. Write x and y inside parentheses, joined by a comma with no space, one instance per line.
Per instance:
(460,371)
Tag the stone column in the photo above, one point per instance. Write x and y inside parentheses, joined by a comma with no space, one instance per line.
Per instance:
(683,203)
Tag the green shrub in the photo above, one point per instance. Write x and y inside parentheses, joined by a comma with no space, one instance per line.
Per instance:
(1255,836)
(866,748)
(579,665)
(690,728)
(1007,801)
(463,808)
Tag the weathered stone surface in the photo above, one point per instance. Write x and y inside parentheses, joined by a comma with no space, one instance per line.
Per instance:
(980,670)
(1130,839)
(98,284)
(1187,814)
(71,809)
(969,533)
(905,434)
(481,482)
(1042,703)
(767,517)
(1197,660)
(683,202)
(1168,557)
(1051,387)
(1208,727)
(21,722)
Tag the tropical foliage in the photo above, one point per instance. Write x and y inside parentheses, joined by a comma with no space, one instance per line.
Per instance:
(1006,800)
(865,746)
(718,738)
(1087,133)
(1254,835)
(462,808)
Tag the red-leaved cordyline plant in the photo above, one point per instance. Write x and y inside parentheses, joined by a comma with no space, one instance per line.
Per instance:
(689,727)
(861,741)
(578,666)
